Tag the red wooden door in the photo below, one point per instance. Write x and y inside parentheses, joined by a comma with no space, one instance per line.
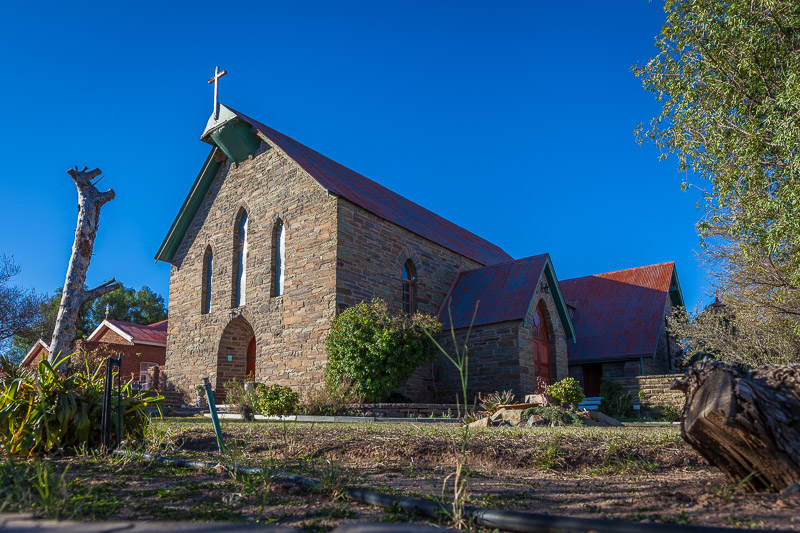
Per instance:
(592,376)
(541,347)
(250,369)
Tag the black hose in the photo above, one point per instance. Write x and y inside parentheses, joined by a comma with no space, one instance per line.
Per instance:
(516,521)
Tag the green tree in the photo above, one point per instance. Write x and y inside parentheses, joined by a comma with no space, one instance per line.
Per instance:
(728,77)
(128,305)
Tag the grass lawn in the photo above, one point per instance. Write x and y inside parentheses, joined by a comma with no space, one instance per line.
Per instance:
(623,473)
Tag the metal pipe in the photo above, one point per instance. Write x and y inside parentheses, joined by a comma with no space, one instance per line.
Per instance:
(212,407)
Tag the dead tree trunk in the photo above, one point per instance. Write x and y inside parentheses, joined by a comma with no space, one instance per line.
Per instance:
(74,295)
(747,423)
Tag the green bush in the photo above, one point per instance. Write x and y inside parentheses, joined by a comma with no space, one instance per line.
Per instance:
(567,391)
(47,411)
(553,415)
(375,353)
(616,401)
(275,400)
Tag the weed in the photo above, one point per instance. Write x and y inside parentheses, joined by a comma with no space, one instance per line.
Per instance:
(338,511)
(741,521)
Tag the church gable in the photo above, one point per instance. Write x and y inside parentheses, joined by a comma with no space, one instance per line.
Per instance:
(620,314)
(234,134)
(503,292)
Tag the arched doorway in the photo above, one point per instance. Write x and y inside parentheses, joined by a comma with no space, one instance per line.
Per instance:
(250,368)
(542,366)
(235,345)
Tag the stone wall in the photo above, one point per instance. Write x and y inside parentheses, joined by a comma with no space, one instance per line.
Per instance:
(371,253)
(500,358)
(290,329)
(656,390)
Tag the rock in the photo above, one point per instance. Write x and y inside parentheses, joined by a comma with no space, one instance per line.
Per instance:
(791,489)
(534,420)
(498,417)
(513,417)
(537,399)
(587,418)
(480,423)
(604,420)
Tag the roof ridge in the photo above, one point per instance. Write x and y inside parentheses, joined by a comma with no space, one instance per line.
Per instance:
(460,241)
(495,265)
(620,270)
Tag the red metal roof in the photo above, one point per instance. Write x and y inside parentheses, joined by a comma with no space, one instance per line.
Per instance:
(618,314)
(381,201)
(504,291)
(156,332)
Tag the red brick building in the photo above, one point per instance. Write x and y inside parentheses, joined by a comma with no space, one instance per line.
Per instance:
(274,239)
(141,347)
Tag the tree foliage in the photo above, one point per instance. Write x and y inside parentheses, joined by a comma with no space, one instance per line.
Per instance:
(19,309)
(374,352)
(728,77)
(126,304)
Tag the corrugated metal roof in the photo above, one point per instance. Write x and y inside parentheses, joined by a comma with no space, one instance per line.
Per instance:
(618,314)
(156,332)
(381,201)
(504,291)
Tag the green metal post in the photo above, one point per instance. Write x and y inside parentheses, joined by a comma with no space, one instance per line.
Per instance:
(212,407)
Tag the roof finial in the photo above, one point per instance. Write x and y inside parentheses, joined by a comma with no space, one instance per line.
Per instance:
(107,309)
(217,75)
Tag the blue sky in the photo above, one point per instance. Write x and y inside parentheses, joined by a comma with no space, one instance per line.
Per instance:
(513,120)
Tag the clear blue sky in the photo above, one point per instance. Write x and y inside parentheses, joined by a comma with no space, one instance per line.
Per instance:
(512,119)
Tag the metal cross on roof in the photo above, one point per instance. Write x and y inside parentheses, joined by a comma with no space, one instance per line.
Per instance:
(217,75)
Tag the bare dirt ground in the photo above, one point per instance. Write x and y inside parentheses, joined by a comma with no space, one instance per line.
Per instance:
(632,473)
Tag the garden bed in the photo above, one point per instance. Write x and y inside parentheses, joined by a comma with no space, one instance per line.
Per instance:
(643,473)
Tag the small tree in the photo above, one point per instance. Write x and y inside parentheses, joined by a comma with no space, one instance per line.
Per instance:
(376,353)
(19,309)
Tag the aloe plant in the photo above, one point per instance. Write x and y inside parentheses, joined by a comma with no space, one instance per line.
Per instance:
(47,411)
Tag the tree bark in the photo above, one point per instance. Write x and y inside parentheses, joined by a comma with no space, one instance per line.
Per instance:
(75,295)
(747,423)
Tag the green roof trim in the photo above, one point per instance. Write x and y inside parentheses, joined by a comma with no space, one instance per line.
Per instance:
(555,289)
(235,139)
(561,304)
(675,293)
(189,208)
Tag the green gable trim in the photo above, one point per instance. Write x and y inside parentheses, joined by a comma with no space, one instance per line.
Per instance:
(561,304)
(675,292)
(555,289)
(235,139)
(189,208)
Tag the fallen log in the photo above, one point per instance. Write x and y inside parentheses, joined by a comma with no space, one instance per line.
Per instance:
(745,422)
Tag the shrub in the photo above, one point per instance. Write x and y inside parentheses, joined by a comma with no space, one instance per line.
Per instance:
(275,400)
(47,411)
(237,398)
(327,401)
(377,353)
(553,415)
(616,401)
(566,391)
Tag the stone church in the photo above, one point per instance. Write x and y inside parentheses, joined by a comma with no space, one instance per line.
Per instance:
(274,239)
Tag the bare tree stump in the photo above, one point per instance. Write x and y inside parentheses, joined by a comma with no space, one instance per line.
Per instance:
(747,423)
(74,295)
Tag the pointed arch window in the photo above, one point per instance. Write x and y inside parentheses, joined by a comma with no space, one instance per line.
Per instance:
(279,261)
(240,269)
(409,282)
(208,277)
